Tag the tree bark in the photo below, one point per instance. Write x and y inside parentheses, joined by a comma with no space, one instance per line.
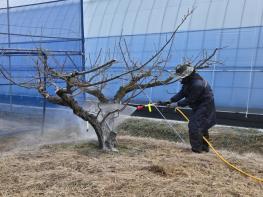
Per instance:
(106,137)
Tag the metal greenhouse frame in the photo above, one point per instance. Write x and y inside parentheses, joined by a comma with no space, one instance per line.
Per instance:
(86,28)
(27,26)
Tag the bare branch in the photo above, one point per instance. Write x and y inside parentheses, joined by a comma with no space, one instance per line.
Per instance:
(189,13)
(97,93)
(49,98)
(8,77)
(203,63)
(107,64)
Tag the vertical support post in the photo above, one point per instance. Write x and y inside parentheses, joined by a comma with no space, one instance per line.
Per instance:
(213,73)
(44,101)
(9,56)
(83,59)
(250,83)
(151,92)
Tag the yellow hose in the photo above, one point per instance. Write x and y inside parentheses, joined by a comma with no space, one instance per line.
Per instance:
(220,156)
(182,113)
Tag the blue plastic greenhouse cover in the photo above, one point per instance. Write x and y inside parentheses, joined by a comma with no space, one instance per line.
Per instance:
(53,25)
(234,24)
(145,24)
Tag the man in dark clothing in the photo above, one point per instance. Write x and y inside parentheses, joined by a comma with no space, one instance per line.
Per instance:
(197,94)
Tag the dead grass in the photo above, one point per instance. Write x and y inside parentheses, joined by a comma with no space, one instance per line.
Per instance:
(143,167)
(230,138)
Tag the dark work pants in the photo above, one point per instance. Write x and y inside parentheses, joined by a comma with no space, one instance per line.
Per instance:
(201,119)
(198,127)
(196,139)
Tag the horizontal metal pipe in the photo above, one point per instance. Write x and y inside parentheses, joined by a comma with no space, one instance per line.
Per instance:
(19,51)
(36,36)
(34,4)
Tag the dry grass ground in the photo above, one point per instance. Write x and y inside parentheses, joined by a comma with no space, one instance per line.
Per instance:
(240,140)
(143,167)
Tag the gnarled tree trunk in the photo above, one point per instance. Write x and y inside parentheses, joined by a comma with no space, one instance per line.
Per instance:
(102,125)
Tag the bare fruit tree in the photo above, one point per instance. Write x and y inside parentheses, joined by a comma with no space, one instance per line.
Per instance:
(61,87)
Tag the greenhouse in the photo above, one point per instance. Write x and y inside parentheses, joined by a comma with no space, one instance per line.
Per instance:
(131,98)
(85,29)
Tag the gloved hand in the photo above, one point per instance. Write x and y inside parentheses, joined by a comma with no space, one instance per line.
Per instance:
(172,105)
(163,103)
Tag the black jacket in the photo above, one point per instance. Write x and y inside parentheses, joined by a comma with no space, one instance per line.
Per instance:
(197,94)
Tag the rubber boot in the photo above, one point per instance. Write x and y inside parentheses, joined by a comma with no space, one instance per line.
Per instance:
(196,141)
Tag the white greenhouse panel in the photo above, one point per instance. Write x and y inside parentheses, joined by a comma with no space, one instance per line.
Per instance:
(129,23)
(134,5)
(184,8)
(200,15)
(89,15)
(216,14)
(133,16)
(111,8)
(95,26)
(116,26)
(156,20)
(253,13)
(3,4)
(89,10)
(102,7)
(147,4)
(234,13)
(98,17)
(169,19)
(123,5)
(173,3)
(120,14)
(161,4)
(106,25)
(141,22)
